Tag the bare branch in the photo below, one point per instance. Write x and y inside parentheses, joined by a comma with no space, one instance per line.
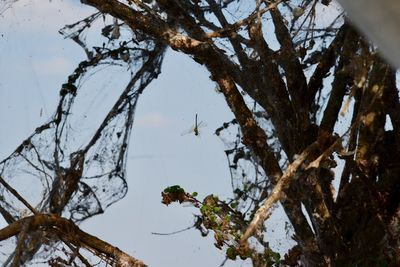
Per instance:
(284,182)
(70,232)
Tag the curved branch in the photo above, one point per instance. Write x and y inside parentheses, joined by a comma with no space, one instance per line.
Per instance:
(71,233)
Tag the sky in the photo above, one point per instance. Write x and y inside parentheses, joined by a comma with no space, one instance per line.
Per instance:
(35,60)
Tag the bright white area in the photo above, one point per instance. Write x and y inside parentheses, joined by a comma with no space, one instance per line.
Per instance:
(379,21)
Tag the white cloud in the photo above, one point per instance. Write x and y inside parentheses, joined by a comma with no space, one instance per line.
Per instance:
(54,65)
(152,120)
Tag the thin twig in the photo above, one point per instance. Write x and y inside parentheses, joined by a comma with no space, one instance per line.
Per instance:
(175,232)
(17,195)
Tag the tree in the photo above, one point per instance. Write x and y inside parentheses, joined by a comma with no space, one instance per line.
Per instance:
(289,118)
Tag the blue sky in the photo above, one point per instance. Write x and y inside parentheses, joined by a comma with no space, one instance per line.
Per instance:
(35,60)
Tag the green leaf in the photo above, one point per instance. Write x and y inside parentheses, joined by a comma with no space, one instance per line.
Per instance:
(174,189)
(234,205)
(276,256)
(231,253)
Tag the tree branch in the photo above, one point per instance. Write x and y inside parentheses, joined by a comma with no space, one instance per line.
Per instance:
(278,193)
(70,232)
(325,64)
(295,79)
(343,77)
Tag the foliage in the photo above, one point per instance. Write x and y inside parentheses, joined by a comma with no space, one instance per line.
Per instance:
(227,223)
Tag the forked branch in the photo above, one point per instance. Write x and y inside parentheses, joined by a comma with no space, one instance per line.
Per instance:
(67,230)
